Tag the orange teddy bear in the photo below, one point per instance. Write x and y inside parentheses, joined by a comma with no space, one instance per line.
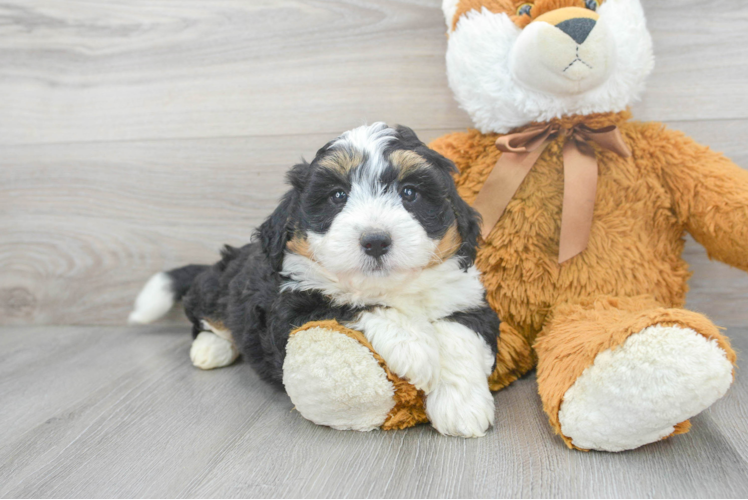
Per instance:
(585,213)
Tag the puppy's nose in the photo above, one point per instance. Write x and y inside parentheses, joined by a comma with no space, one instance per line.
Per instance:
(578,28)
(376,243)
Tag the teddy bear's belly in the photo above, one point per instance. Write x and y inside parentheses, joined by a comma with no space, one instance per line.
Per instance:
(635,249)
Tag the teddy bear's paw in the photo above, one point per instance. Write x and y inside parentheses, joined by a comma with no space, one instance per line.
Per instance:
(636,394)
(461,411)
(334,380)
(210,351)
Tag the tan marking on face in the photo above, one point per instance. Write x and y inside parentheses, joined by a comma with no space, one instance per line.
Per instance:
(447,247)
(299,246)
(407,161)
(510,7)
(341,160)
(556,17)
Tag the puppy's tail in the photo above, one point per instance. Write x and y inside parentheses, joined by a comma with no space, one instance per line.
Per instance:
(161,292)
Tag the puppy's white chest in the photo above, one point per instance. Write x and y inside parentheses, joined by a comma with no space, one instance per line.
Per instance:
(439,292)
(433,293)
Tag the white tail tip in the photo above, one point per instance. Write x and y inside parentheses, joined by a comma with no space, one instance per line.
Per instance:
(154,301)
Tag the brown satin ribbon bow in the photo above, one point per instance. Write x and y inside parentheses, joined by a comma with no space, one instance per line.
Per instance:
(521,150)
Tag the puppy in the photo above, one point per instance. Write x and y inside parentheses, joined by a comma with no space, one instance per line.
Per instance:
(374,235)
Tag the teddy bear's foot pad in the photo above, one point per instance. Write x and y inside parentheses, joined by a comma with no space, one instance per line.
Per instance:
(637,393)
(334,380)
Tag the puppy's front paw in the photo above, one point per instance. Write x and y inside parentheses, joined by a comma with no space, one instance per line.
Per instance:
(408,345)
(463,412)
(417,362)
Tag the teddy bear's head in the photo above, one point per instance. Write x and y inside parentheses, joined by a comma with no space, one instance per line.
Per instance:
(512,62)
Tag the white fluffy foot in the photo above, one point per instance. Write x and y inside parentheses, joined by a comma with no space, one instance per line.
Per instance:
(462,413)
(461,404)
(334,380)
(210,351)
(637,393)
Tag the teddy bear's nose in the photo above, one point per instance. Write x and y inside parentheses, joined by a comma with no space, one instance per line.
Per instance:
(578,28)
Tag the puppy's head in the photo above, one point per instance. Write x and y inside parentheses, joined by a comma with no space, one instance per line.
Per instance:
(373,202)
(511,62)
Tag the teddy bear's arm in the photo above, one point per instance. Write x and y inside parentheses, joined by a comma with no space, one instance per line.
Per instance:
(710,196)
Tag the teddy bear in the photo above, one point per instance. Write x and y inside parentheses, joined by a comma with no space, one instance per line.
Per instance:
(584,217)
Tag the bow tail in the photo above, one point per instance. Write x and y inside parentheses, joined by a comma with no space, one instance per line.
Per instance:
(580,190)
(502,184)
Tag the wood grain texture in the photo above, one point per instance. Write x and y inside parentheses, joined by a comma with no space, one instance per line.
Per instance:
(84,225)
(112,70)
(140,135)
(109,70)
(120,412)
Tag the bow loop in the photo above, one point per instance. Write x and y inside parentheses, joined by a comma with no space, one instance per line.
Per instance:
(609,138)
(527,141)
(520,152)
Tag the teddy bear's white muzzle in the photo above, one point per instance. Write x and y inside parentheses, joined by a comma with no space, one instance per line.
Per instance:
(569,58)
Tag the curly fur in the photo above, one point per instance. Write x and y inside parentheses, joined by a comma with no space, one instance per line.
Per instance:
(308,262)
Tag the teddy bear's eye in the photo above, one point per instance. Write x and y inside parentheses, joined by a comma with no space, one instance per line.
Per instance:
(592,4)
(525,8)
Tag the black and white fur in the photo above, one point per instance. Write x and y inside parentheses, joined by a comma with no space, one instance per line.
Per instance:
(416,296)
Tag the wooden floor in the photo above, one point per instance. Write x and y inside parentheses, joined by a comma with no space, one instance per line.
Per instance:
(116,411)
(140,135)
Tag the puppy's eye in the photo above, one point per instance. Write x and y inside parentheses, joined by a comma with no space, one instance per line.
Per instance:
(592,4)
(339,197)
(409,194)
(525,8)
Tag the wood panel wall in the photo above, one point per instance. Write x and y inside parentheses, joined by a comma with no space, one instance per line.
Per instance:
(142,135)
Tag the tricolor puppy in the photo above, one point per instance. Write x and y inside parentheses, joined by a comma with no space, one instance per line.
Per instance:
(374,235)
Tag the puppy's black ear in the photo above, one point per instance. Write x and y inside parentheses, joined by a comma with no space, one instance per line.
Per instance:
(468,220)
(324,149)
(274,233)
(468,225)
(408,138)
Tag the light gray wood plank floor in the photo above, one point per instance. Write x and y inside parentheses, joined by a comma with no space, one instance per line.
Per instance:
(116,411)
(141,135)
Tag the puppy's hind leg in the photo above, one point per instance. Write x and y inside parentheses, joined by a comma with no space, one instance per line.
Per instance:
(213,347)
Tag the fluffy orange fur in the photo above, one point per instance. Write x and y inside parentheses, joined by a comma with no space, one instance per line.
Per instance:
(632,274)
(577,332)
(539,7)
